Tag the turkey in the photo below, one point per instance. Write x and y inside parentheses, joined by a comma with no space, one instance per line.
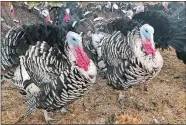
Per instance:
(53,70)
(14,17)
(66,16)
(127,50)
(171,9)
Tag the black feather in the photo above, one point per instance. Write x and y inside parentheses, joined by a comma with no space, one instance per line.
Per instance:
(181,56)
(19,40)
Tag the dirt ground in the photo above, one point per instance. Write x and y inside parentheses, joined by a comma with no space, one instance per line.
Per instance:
(163,101)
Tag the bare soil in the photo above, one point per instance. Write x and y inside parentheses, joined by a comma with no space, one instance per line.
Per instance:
(162,101)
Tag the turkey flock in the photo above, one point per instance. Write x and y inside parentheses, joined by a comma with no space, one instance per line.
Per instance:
(53,54)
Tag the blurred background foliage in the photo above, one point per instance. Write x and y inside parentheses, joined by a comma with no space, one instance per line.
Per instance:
(59,3)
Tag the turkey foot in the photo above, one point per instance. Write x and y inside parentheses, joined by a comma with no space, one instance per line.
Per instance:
(47,118)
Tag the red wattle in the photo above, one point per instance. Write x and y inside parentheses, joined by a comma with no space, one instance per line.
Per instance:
(13,13)
(81,58)
(67,17)
(47,19)
(148,48)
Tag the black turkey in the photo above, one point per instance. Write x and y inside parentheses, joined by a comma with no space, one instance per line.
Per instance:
(51,69)
(66,16)
(16,15)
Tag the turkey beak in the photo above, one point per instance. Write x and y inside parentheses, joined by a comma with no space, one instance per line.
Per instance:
(81,34)
(166,8)
(12,11)
(68,11)
(92,76)
(152,41)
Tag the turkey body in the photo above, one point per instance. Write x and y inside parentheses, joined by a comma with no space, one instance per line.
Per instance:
(127,62)
(46,68)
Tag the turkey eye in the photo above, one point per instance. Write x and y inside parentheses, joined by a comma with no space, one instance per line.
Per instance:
(73,39)
(146,31)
